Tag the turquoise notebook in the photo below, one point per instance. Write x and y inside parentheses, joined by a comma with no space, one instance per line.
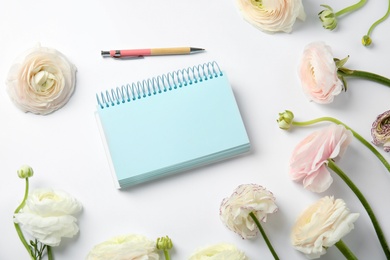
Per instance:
(170,123)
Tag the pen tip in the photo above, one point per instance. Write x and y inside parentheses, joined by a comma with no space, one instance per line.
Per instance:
(193,49)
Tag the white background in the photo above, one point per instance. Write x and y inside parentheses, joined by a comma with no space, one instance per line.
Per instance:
(66,152)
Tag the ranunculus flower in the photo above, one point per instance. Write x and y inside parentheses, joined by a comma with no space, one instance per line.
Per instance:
(318,73)
(247,198)
(218,252)
(321,226)
(42,81)
(48,216)
(126,247)
(380,130)
(310,157)
(272,16)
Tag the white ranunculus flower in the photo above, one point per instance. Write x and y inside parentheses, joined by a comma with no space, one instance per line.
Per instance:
(220,251)
(41,81)
(247,198)
(126,247)
(321,226)
(48,216)
(272,15)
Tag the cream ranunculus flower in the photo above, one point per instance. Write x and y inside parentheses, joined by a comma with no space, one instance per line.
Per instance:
(42,81)
(321,226)
(126,247)
(247,198)
(272,15)
(48,216)
(318,73)
(219,251)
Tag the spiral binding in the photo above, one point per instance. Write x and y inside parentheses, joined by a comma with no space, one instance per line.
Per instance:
(159,84)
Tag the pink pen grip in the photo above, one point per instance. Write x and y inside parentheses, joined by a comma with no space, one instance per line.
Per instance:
(127,53)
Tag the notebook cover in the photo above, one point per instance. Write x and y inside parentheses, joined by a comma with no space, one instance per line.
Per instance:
(173,131)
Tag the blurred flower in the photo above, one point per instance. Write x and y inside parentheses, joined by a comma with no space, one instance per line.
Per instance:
(48,216)
(247,198)
(380,130)
(323,77)
(310,157)
(125,247)
(42,81)
(318,73)
(218,252)
(322,225)
(328,18)
(272,16)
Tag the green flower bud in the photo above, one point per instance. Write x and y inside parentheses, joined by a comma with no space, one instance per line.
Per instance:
(328,18)
(164,243)
(25,172)
(366,40)
(285,119)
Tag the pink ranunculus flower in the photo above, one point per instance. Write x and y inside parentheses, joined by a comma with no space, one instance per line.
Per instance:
(318,73)
(41,81)
(310,157)
(272,16)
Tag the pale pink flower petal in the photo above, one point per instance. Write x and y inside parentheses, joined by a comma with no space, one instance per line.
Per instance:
(41,81)
(318,73)
(309,159)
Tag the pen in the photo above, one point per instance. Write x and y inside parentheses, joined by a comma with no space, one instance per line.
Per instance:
(150,52)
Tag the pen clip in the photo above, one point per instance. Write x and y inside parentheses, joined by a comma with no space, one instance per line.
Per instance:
(128,57)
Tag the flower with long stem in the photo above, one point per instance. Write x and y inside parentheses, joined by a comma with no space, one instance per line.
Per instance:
(286,120)
(366,40)
(313,156)
(46,215)
(165,244)
(323,77)
(366,205)
(329,18)
(242,211)
(24,172)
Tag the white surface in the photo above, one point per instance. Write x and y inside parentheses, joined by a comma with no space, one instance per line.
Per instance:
(66,152)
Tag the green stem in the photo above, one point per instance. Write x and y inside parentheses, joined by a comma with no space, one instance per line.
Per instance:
(365,204)
(351,8)
(364,75)
(166,255)
(345,250)
(360,138)
(264,235)
(17,227)
(49,253)
(379,20)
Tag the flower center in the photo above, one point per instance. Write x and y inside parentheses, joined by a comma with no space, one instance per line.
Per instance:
(257,3)
(44,80)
